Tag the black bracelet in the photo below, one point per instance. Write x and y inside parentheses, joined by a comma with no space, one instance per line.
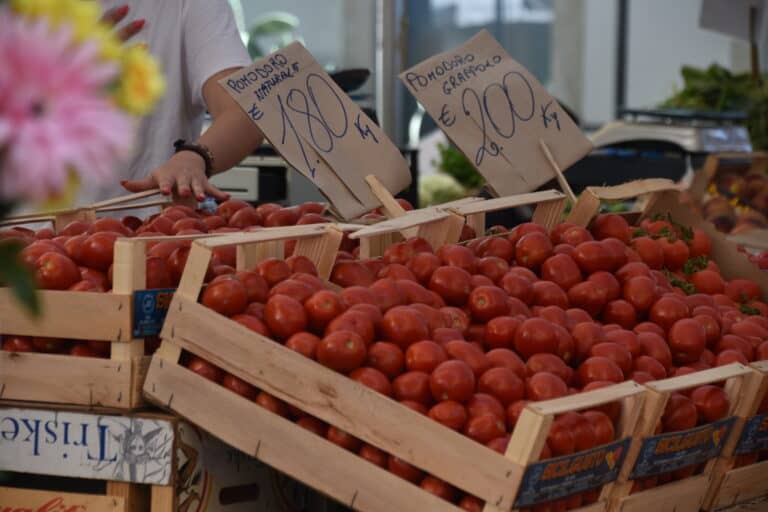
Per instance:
(203,151)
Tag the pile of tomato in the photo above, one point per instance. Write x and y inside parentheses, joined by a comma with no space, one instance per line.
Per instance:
(468,334)
(80,256)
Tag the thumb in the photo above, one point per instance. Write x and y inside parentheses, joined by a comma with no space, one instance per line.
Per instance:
(141,185)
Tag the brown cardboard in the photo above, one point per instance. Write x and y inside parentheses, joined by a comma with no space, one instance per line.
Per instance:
(497,114)
(318,129)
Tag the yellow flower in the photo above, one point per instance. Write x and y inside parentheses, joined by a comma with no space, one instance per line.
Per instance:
(141,82)
(66,197)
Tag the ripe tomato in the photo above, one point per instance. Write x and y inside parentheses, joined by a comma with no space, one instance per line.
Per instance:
(449,413)
(372,378)
(586,335)
(342,351)
(342,438)
(505,358)
(55,271)
(500,332)
(439,488)
(273,270)
(593,257)
(484,428)
(493,267)
(575,316)
(285,316)
(487,302)
(675,253)
(373,455)
(545,386)
(556,235)
(687,340)
(387,358)
(304,343)
(650,251)
(576,235)
(503,384)
(301,264)
(602,427)
(547,293)
(610,226)
(734,342)
(239,386)
(227,296)
(534,336)
(627,339)
(640,292)
(458,256)
(322,307)
(618,252)
(282,217)
(598,368)
(97,251)
(620,312)
(551,363)
(349,273)
(299,290)
(711,403)
(612,409)
(396,271)
(650,366)
(452,380)
(679,414)
(424,356)
(532,249)
(452,283)
(354,321)
(588,296)
(561,439)
(205,369)
(700,244)
(616,353)
(517,286)
(414,386)
(762,351)
(499,444)
(244,218)
(404,470)
(404,325)
(608,283)
(667,310)
(583,434)
(253,323)
(708,281)
(729,356)
(742,290)
(423,265)
(711,327)
(470,353)
(562,270)
(471,504)
(387,294)
(414,293)
(483,403)
(747,329)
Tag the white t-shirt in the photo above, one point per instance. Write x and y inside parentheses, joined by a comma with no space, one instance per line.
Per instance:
(193,40)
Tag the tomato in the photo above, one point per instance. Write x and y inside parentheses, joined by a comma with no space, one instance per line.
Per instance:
(711,403)
(640,292)
(650,251)
(205,369)
(514,411)
(404,325)
(500,332)
(545,386)
(551,363)
(742,290)
(273,270)
(633,269)
(616,353)
(505,358)
(322,307)
(517,286)
(452,380)
(586,335)
(523,229)
(667,310)
(499,444)
(687,340)
(239,386)
(372,378)
(611,226)
(711,328)
(423,265)
(556,235)
(575,316)
(471,504)
(49,345)
(404,470)
(675,253)
(602,426)
(457,256)
(424,356)
(387,358)
(285,316)
(588,296)
(373,455)
(708,281)
(611,409)
(75,227)
(396,271)
(746,329)
(547,293)
(700,244)
(620,312)
(455,318)
(503,384)
(583,434)
(98,250)
(484,428)
(483,403)
(470,353)
(561,439)
(349,273)
(55,271)
(452,283)
(413,292)
(651,366)
(563,249)
(487,302)
(387,294)
(734,342)
(439,488)
(617,251)
(413,386)
(228,296)
(729,356)
(533,249)
(449,413)
(593,257)
(599,368)
(679,414)
(562,270)
(282,217)
(244,218)
(493,267)
(534,336)
(354,321)
(576,235)
(253,323)
(304,343)
(82,349)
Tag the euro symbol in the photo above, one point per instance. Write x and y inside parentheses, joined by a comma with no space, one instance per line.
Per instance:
(446,116)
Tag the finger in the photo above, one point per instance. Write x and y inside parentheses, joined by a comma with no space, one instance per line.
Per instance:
(130,30)
(215,192)
(141,185)
(182,185)
(165,184)
(198,189)
(114,15)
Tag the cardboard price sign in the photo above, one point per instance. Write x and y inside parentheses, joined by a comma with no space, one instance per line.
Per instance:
(497,114)
(318,129)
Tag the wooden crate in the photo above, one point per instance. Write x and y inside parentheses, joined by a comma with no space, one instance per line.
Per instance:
(335,399)
(63,379)
(686,495)
(731,486)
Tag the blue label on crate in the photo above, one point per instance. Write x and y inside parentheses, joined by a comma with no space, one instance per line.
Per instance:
(556,478)
(754,437)
(149,310)
(676,450)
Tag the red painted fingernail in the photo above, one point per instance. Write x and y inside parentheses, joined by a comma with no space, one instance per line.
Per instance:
(138,24)
(122,10)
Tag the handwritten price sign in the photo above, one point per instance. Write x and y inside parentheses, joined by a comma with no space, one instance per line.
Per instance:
(318,129)
(497,113)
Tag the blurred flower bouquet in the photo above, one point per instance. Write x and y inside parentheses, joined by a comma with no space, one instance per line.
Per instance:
(70,98)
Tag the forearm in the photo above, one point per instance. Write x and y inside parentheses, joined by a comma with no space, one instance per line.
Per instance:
(230,138)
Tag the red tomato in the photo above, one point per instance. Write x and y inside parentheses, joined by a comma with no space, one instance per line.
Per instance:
(576,235)
(354,321)
(342,438)
(457,256)
(700,244)
(493,267)
(588,296)
(503,384)
(651,366)
(616,353)
(583,434)
(729,356)
(404,325)
(82,349)
(561,270)
(612,409)
(452,283)
(414,386)
(285,316)
(733,342)
(304,343)
(711,403)
(611,226)
(423,265)
(593,257)
(575,316)
(413,292)
(55,271)
(404,470)
(227,296)
(627,339)
(556,235)
(342,351)
(452,380)
(505,358)
(708,281)
(545,386)
(301,264)
(253,323)
(373,455)
(98,249)
(551,363)
(680,413)
(205,369)
(517,286)
(449,413)
(499,444)
(535,335)
(687,340)
(762,351)
(711,327)
(500,332)
(598,368)
(239,386)
(650,251)
(424,356)
(620,312)
(487,302)
(484,428)
(547,293)
(273,270)
(322,307)
(387,358)
(602,426)
(640,291)
(514,411)
(498,247)
(586,335)
(372,378)
(675,253)
(483,403)
(350,273)
(49,345)
(742,290)
(533,249)
(439,488)
(667,310)
(561,439)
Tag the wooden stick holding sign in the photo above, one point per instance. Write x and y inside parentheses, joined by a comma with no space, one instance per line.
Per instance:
(564,186)
(390,206)
(318,129)
(496,113)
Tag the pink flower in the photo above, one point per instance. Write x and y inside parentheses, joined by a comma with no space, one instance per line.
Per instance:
(55,113)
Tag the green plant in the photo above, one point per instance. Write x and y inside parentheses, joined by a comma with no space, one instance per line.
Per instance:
(454,163)
(13,273)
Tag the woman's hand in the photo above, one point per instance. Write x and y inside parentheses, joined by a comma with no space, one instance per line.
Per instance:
(184,174)
(116,15)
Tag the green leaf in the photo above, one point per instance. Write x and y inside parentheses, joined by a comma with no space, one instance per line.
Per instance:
(749,310)
(694,265)
(18,277)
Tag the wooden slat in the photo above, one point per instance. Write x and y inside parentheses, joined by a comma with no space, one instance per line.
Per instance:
(389,204)
(321,250)
(78,315)
(589,399)
(413,219)
(13,499)
(262,235)
(193,277)
(503,203)
(561,180)
(136,497)
(341,402)
(699,378)
(126,198)
(283,445)
(742,484)
(681,496)
(66,379)
(163,499)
